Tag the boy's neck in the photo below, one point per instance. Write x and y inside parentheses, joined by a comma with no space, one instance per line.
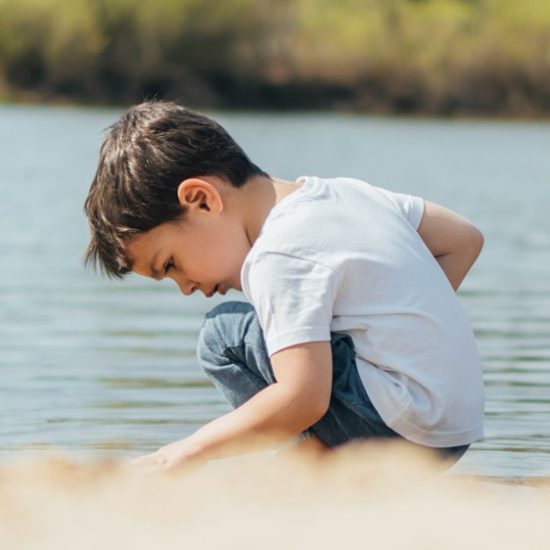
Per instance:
(259,195)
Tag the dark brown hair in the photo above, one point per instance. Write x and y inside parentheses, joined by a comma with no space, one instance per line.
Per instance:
(144,157)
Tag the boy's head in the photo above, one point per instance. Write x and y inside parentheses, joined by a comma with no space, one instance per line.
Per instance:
(156,162)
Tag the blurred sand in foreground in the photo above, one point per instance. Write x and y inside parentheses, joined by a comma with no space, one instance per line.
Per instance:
(363,496)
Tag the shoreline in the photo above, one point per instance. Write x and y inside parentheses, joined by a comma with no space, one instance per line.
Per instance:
(32,100)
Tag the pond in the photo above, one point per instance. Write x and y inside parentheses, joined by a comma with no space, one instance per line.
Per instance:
(94,367)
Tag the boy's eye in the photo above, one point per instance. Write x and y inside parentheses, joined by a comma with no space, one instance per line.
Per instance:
(168,265)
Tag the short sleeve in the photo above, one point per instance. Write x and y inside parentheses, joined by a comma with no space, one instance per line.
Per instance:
(410,206)
(293,298)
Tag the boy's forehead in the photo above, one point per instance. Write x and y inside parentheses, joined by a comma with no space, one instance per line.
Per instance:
(142,250)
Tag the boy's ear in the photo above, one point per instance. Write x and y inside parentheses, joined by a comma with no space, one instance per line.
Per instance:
(199,194)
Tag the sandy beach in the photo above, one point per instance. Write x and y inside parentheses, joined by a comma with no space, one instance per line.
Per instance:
(377,497)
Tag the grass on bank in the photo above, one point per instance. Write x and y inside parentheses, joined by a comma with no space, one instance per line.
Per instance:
(438,56)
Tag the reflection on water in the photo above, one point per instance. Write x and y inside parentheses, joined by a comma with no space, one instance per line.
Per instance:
(96,367)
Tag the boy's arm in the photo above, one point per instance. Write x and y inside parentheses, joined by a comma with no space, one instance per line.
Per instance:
(452,239)
(298,399)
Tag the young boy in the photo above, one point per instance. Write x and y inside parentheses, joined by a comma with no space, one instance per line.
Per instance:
(353,329)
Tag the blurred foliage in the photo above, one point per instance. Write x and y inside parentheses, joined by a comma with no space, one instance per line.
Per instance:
(434,56)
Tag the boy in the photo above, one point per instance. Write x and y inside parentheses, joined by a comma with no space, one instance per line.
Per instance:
(353,330)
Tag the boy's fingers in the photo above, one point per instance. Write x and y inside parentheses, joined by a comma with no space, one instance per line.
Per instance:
(148,467)
(140,460)
(162,460)
(145,461)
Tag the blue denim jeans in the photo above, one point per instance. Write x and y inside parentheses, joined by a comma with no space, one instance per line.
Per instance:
(232,352)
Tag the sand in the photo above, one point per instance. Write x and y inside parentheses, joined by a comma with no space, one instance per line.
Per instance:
(364,496)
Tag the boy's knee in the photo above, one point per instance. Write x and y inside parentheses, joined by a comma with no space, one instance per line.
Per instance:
(224,326)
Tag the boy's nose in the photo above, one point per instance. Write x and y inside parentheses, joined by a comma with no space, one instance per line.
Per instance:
(186,288)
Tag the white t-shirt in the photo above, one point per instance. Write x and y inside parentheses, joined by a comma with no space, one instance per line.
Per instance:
(342,255)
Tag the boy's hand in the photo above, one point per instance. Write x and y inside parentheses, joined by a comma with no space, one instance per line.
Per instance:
(168,457)
(452,239)
(298,399)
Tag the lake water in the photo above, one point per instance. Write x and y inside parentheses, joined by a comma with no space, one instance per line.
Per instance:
(94,367)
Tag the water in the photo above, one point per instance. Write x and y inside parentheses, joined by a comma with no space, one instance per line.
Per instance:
(95,367)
